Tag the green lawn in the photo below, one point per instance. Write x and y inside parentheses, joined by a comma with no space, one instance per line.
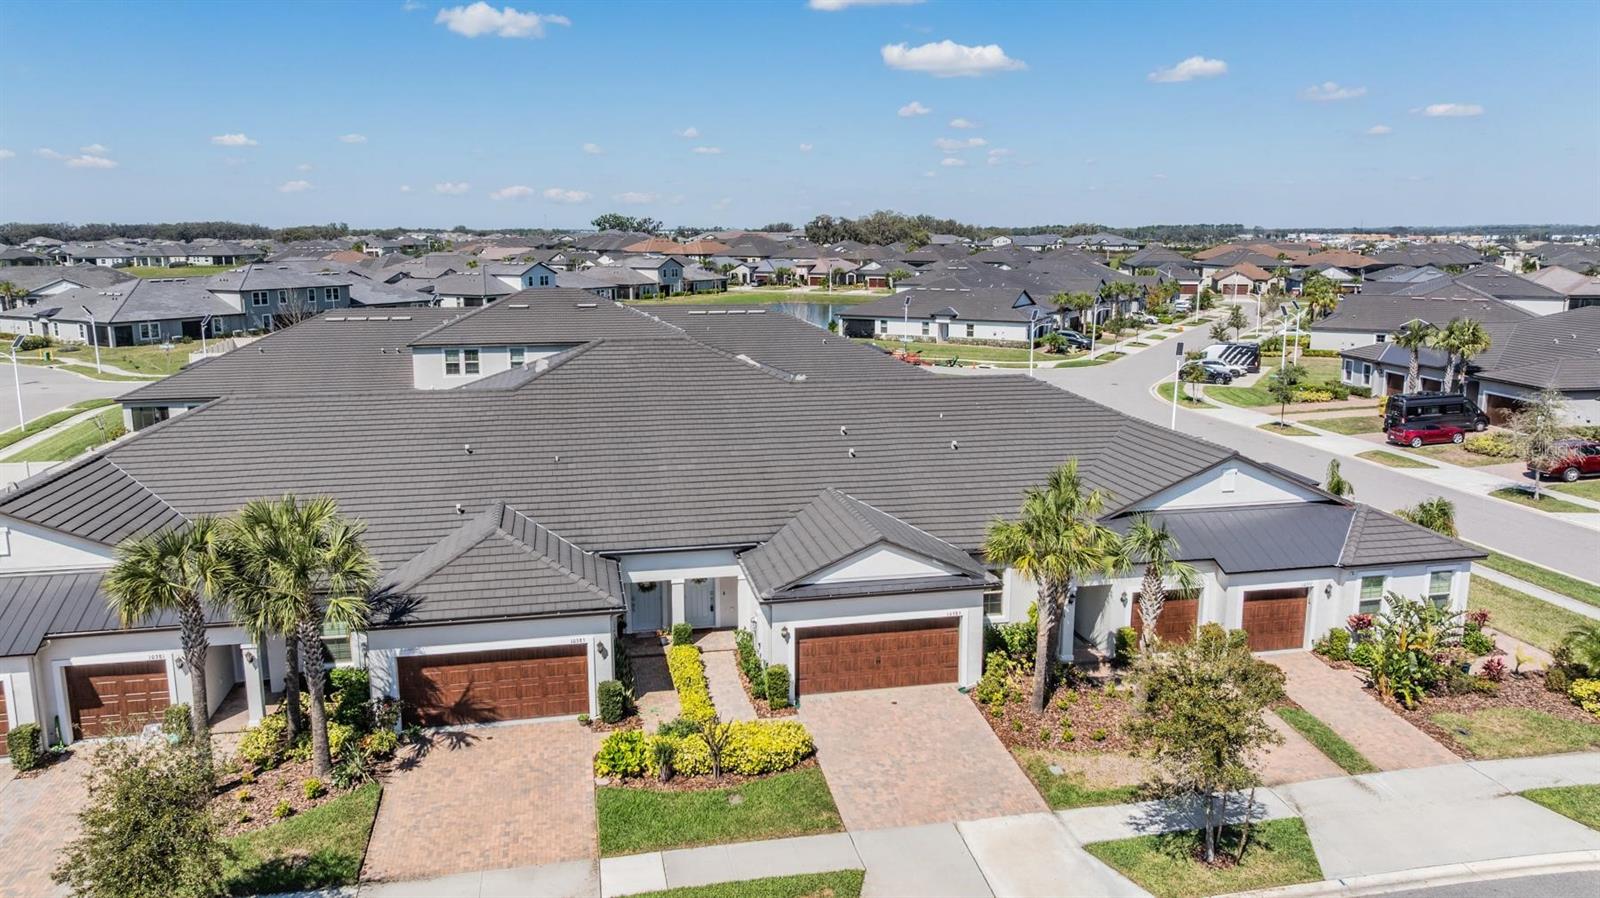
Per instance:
(180,271)
(1327,741)
(1319,372)
(1517,732)
(963,351)
(1184,397)
(1545,502)
(1538,575)
(1089,363)
(839,884)
(1348,425)
(1392,459)
(1279,854)
(1588,489)
(89,371)
(47,421)
(1513,611)
(1070,789)
(322,848)
(75,440)
(1248,397)
(1455,455)
(149,359)
(796,803)
(1581,803)
(1285,430)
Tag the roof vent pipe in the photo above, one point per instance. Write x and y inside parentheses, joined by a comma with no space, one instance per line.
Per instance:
(459,509)
(844,431)
(953,445)
(852,452)
(467,447)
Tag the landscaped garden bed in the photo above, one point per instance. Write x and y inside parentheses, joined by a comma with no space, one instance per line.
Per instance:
(321,848)
(766,685)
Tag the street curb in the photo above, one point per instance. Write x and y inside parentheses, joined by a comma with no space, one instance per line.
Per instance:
(1446,874)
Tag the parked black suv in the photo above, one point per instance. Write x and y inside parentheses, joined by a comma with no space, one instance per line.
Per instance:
(1414,409)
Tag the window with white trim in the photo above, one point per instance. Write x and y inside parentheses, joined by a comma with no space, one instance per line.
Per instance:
(1439,587)
(258,298)
(330,295)
(452,362)
(972,330)
(336,645)
(149,330)
(518,356)
(469,361)
(283,297)
(1371,595)
(544,280)
(994,599)
(925,327)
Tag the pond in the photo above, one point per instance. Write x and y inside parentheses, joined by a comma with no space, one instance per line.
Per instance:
(817,314)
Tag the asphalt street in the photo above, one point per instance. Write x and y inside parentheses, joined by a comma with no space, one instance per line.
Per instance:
(46,389)
(1547,885)
(1533,535)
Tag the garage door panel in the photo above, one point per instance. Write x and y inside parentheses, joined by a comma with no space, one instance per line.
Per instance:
(483,687)
(1275,619)
(1179,616)
(875,656)
(112,699)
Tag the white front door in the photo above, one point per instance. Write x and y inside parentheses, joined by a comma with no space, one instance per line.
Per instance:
(699,603)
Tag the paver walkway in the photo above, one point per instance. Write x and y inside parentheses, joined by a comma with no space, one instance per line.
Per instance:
(727,691)
(488,798)
(652,689)
(1338,699)
(905,757)
(1296,759)
(38,817)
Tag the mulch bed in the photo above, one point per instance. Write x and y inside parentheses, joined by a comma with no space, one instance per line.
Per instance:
(700,783)
(1524,690)
(286,782)
(1091,711)
(763,708)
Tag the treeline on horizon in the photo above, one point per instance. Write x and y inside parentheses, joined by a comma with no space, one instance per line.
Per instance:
(881,227)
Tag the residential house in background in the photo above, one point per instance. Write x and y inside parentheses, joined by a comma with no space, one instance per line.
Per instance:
(940,314)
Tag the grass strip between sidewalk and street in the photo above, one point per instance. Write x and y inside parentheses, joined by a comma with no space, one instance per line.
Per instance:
(1327,741)
(1515,613)
(1538,575)
(321,848)
(1517,732)
(795,803)
(74,440)
(1588,489)
(1167,866)
(45,422)
(1546,502)
(1070,788)
(1349,425)
(838,884)
(1185,399)
(1392,460)
(1285,430)
(1581,803)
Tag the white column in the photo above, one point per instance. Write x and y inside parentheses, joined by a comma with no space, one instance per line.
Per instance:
(255,691)
(679,613)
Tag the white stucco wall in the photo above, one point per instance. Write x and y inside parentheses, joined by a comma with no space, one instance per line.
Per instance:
(1234,482)
(894,327)
(21,689)
(880,562)
(1331,339)
(29,548)
(427,364)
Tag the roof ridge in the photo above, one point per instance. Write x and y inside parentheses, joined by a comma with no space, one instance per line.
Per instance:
(544,558)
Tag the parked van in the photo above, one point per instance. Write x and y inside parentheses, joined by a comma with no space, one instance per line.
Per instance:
(1413,409)
(1243,355)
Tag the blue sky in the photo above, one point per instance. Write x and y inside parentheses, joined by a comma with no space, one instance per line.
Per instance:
(417,113)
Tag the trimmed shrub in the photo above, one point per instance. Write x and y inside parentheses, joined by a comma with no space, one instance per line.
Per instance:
(175,723)
(263,744)
(776,681)
(380,743)
(689,679)
(1364,654)
(1493,445)
(1585,694)
(1311,395)
(744,645)
(1556,679)
(35,341)
(613,701)
(340,737)
(682,634)
(25,745)
(1336,645)
(314,788)
(1477,642)
(754,747)
(678,726)
(350,695)
(1127,646)
(624,753)
(284,809)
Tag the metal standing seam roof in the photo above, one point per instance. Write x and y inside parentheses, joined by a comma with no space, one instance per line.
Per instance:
(834,527)
(35,607)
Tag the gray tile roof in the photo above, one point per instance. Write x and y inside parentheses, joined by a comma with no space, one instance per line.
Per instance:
(34,607)
(1378,538)
(945,296)
(1436,254)
(544,315)
(782,341)
(471,283)
(140,300)
(832,528)
(1501,284)
(274,277)
(1560,352)
(110,504)
(1384,313)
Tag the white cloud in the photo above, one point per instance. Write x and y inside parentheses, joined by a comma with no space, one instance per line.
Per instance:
(636,197)
(453,188)
(514,192)
(805,148)
(352,138)
(294,186)
(952,161)
(593,149)
(962,124)
(997,156)
(1379,130)
(480,18)
(559,195)
(689,133)
(836,5)
(709,151)
(90,162)
(304,166)
(913,108)
(7,154)
(410,6)
(1188,70)
(233,140)
(405,188)
(95,149)
(1328,91)
(952,144)
(948,59)
(1159,176)
(1452,110)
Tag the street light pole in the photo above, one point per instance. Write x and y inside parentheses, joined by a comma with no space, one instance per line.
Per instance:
(1177,379)
(1033,317)
(94,334)
(16,373)
(905,323)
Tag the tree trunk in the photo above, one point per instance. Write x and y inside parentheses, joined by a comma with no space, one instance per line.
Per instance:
(1414,373)
(1449,371)
(192,636)
(1210,831)
(1244,837)
(1152,598)
(1049,612)
(291,687)
(310,633)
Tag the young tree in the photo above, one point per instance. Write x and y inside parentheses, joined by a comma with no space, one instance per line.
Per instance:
(314,570)
(1462,339)
(1219,331)
(1157,550)
(1056,541)
(1336,483)
(1236,320)
(1437,514)
(1537,426)
(1204,721)
(173,571)
(1190,374)
(147,830)
(1281,385)
(1414,335)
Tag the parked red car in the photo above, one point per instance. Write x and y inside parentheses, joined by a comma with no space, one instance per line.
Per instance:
(1582,459)
(1415,435)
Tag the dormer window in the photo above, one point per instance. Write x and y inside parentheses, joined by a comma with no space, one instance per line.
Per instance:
(518,356)
(459,362)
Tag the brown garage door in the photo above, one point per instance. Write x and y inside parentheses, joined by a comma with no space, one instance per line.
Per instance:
(877,656)
(1179,614)
(115,699)
(1500,409)
(482,687)
(1275,618)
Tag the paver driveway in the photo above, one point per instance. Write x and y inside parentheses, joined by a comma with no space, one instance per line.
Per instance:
(488,798)
(906,757)
(38,817)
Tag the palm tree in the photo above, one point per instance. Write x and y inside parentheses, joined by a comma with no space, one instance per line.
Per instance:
(1414,335)
(1462,339)
(1156,549)
(11,295)
(173,571)
(897,275)
(308,568)
(1056,541)
(1336,483)
(1320,294)
(1437,514)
